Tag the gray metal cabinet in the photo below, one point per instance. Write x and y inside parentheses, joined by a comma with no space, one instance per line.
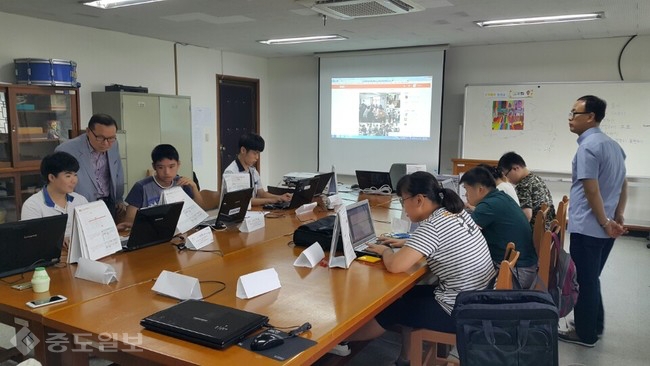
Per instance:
(144,121)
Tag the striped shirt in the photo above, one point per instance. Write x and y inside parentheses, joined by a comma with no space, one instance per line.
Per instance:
(456,252)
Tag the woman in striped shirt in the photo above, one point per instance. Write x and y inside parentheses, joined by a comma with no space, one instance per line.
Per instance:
(453,247)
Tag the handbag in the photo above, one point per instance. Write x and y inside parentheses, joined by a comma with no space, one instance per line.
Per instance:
(320,231)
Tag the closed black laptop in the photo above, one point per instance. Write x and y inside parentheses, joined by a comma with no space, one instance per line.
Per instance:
(205,323)
(28,244)
(369,179)
(154,225)
(303,194)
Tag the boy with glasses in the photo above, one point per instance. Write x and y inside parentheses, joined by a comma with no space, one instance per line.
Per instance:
(531,189)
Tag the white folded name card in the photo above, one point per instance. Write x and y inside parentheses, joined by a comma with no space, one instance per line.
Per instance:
(306,208)
(310,257)
(178,286)
(200,239)
(333,201)
(257,283)
(253,221)
(91,270)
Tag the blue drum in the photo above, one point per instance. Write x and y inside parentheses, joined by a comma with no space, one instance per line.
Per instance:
(38,71)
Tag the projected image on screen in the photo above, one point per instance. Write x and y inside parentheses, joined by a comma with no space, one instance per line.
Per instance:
(382,108)
(378,114)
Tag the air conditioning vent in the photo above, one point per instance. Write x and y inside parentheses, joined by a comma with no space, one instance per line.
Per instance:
(352,9)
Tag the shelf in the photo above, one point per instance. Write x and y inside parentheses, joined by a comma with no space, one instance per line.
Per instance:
(23,141)
(41,110)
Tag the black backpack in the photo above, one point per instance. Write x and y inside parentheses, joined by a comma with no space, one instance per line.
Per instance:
(320,231)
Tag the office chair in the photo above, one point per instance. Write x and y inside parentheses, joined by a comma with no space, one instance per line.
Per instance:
(210,198)
(396,172)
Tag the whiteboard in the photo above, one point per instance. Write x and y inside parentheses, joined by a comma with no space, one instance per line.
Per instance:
(541,111)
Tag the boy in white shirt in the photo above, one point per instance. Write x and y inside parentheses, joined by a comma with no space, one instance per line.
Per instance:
(57,197)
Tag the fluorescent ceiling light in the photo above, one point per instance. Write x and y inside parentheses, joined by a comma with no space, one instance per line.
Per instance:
(111,4)
(294,40)
(541,20)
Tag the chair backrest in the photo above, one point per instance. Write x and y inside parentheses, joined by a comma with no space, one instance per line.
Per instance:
(396,172)
(540,226)
(210,198)
(561,215)
(504,278)
(546,258)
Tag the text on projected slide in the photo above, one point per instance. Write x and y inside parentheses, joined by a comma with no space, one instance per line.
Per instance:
(382,108)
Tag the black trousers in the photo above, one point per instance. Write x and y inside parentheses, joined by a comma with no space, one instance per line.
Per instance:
(589,255)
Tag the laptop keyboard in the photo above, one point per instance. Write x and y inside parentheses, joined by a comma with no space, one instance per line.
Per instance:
(363,246)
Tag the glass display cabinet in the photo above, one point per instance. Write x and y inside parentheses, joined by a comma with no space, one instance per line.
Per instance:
(34,120)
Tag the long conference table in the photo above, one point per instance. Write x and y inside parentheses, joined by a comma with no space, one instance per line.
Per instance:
(104,320)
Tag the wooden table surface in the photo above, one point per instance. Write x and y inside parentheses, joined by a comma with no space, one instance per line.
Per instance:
(335,301)
(244,253)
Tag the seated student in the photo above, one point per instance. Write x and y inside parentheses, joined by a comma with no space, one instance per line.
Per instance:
(453,247)
(502,182)
(59,170)
(147,192)
(250,146)
(501,221)
(531,189)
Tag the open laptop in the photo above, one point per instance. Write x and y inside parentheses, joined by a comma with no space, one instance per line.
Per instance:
(232,209)
(28,244)
(302,194)
(374,182)
(323,180)
(362,230)
(205,323)
(153,225)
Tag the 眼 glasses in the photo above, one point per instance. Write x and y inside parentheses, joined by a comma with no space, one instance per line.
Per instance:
(572,114)
(101,139)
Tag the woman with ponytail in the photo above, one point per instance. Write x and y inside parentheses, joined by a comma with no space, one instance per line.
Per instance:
(453,247)
(502,181)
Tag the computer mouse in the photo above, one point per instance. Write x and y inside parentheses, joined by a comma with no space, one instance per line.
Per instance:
(266,340)
(218,225)
(354,186)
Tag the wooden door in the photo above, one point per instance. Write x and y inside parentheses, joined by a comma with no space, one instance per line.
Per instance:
(238,103)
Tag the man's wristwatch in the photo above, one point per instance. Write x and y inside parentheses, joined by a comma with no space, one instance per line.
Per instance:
(605,224)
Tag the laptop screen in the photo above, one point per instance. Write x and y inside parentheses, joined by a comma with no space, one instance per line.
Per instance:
(360,220)
(323,179)
(153,225)
(304,192)
(234,205)
(369,179)
(28,244)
